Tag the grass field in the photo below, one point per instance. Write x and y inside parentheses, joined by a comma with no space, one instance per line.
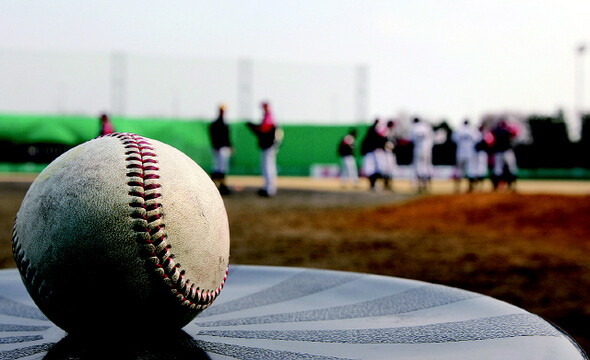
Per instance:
(530,248)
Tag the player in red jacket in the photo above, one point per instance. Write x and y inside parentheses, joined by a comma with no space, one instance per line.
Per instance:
(266,132)
(106,127)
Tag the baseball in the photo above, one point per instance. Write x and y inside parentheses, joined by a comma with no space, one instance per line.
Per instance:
(122,232)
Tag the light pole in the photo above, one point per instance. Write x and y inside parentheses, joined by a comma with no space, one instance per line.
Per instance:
(580,50)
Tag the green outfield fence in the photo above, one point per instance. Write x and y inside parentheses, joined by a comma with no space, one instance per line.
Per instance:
(302,146)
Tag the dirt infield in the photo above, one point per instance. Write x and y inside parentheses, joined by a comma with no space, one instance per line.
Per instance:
(404,186)
(531,248)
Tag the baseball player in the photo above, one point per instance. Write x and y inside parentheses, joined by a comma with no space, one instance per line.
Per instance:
(479,168)
(505,168)
(267,132)
(422,137)
(390,158)
(465,137)
(106,127)
(222,150)
(372,149)
(348,169)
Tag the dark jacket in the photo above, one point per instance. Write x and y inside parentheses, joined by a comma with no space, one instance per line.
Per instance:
(265,139)
(219,134)
(372,141)
(346,148)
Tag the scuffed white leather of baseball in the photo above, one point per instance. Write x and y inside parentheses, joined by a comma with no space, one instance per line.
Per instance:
(122,232)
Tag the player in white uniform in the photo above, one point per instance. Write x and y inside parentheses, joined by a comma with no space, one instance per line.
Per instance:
(390,158)
(348,169)
(422,137)
(466,136)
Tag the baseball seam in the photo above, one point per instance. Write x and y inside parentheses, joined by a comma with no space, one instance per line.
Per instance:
(147,215)
(24,267)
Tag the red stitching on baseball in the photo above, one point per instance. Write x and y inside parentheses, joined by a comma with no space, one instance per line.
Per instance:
(155,230)
(133,174)
(152,207)
(152,196)
(154,218)
(143,161)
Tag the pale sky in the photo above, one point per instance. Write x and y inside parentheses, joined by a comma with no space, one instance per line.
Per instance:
(435,58)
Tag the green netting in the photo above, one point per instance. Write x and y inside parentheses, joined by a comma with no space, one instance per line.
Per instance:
(303,145)
(70,130)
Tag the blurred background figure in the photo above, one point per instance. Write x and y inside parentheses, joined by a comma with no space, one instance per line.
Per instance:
(465,137)
(480,165)
(422,138)
(505,168)
(372,150)
(348,168)
(266,133)
(106,127)
(222,150)
(390,158)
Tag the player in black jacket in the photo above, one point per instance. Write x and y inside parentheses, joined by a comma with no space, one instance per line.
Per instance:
(222,149)
(348,168)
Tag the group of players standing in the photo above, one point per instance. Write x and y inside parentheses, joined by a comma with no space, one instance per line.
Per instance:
(479,152)
(483,151)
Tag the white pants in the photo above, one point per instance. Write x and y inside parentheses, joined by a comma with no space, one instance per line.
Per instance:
(461,169)
(348,170)
(505,158)
(374,162)
(268,163)
(221,160)
(480,165)
(390,164)
(423,164)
